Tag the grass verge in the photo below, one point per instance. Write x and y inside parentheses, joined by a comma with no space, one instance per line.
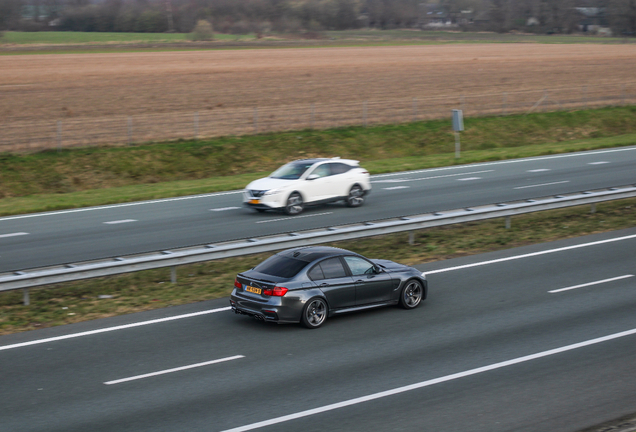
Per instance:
(109,296)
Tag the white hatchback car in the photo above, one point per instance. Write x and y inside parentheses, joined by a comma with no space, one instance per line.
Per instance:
(307,182)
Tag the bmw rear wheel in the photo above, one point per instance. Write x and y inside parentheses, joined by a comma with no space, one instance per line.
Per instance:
(294,204)
(411,295)
(355,197)
(314,313)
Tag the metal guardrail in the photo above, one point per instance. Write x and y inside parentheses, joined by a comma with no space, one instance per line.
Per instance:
(106,267)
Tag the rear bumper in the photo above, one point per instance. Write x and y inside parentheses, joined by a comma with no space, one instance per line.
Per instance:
(277,313)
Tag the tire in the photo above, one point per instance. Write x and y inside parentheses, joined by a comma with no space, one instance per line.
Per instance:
(260,210)
(314,313)
(294,204)
(411,295)
(355,197)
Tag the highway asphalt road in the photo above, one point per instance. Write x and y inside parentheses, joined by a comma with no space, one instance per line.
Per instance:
(37,240)
(534,339)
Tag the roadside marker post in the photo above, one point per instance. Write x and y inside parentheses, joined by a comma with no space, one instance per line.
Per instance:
(458,126)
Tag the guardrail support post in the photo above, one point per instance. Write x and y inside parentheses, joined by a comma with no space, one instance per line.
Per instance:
(411,238)
(508,222)
(173,274)
(593,209)
(25,297)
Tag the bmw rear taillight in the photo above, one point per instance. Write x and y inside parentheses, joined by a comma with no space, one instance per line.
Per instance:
(276,291)
(237,284)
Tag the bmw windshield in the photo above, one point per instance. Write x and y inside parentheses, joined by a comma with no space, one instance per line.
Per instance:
(291,171)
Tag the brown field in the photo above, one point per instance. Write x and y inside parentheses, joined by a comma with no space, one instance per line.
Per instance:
(37,90)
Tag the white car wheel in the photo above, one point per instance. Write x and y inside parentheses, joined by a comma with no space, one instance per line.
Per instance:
(355,197)
(294,204)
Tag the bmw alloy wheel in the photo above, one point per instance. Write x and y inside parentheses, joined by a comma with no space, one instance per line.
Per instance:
(411,295)
(314,313)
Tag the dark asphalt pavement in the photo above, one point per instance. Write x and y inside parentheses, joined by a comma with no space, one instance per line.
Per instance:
(492,349)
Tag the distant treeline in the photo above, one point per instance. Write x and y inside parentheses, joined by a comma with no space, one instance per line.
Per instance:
(263,16)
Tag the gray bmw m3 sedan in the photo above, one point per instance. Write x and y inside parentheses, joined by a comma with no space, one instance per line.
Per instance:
(309,284)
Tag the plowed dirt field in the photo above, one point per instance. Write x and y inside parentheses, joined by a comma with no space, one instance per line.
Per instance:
(42,87)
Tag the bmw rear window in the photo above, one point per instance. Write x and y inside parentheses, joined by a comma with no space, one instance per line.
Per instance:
(280,266)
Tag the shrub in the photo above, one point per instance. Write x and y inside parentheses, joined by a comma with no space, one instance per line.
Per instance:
(203,31)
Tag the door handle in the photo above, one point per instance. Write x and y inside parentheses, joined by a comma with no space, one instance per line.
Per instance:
(324,284)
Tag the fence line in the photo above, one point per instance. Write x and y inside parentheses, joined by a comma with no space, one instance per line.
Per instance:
(23,135)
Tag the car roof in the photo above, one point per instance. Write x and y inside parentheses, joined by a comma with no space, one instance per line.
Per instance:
(313,253)
(334,159)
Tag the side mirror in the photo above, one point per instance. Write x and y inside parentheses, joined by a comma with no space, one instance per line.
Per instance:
(376,269)
(312,177)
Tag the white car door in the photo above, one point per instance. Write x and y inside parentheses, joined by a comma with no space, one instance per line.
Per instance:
(318,184)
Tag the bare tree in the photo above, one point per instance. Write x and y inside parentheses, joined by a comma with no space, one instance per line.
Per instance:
(621,15)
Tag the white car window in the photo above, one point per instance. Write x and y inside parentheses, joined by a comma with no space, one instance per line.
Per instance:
(322,171)
(291,171)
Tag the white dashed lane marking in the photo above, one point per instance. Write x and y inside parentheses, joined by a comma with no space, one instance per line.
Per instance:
(396,187)
(539,170)
(542,184)
(293,217)
(591,283)
(173,370)
(469,179)
(13,234)
(598,163)
(120,221)
(224,209)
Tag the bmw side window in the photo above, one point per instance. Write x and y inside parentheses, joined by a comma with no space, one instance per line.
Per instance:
(359,266)
(316,273)
(332,268)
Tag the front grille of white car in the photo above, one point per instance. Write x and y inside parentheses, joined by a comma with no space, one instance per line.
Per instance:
(256,193)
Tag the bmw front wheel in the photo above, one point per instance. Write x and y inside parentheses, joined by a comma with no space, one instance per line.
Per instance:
(411,295)
(294,204)
(314,313)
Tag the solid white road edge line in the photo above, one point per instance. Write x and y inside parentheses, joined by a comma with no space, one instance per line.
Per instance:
(591,283)
(530,254)
(511,161)
(543,184)
(109,329)
(177,369)
(112,206)
(430,382)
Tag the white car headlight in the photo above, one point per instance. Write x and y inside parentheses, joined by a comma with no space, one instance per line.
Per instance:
(272,192)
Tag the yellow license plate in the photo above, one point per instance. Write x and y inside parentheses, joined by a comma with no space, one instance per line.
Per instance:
(252,289)
(254,201)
